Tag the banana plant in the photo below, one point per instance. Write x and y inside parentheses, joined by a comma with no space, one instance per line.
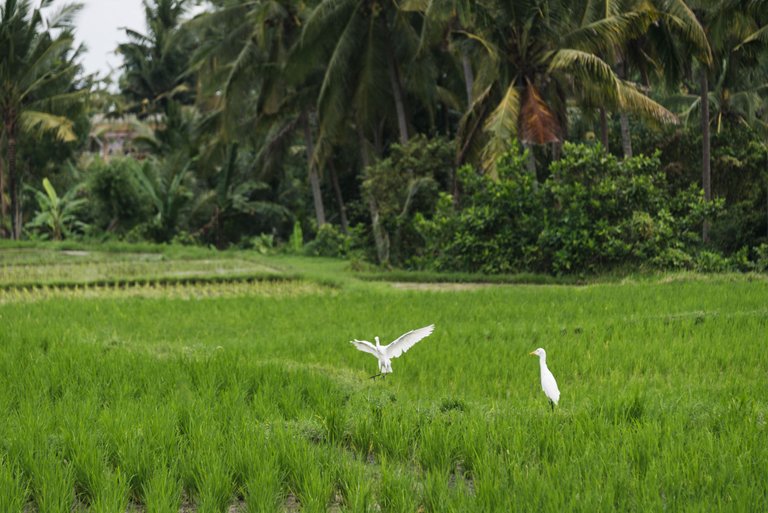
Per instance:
(57,216)
(167,184)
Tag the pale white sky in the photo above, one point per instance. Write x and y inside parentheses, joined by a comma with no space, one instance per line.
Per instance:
(99,27)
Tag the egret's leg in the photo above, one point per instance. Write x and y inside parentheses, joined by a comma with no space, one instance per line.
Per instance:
(375,376)
(552,404)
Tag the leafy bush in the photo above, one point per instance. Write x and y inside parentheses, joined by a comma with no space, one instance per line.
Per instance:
(495,227)
(296,242)
(399,187)
(673,259)
(739,176)
(117,202)
(263,243)
(329,242)
(761,258)
(593,212)
(710,262)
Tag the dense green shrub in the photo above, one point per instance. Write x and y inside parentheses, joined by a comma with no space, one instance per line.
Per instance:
(401,186)
(739,177)
(495,227)
(761,258)
(594,212)
(753,259)
(329,242)
(117,201)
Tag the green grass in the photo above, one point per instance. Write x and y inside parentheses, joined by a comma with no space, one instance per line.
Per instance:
(248,393)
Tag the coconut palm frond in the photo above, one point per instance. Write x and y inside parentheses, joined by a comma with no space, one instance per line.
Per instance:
(585,64)
(683,20)
(607,33)
(42,122)
(634,101)
(538,123)
(758,36)
(501,127)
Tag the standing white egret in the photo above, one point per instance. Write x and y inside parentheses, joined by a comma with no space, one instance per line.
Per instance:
(394,349)
(548,383)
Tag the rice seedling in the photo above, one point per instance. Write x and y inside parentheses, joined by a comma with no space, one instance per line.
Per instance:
(53,483)
(161,493)
(356,486)
(263,489)
(113,493)
(161,397)
(13,488)
(396,489)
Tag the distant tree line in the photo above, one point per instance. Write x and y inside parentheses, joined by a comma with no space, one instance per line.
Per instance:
(535,135)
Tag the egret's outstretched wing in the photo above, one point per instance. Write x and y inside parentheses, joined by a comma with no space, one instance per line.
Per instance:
(406,341)
(364,345)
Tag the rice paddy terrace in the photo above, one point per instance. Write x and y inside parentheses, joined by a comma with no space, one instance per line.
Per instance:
(195,381)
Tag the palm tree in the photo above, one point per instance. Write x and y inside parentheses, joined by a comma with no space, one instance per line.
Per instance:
(155,64)
(242,62)
(37,73)
(233,198)
(365,45)
(660,56)
(539,56)
(737,33)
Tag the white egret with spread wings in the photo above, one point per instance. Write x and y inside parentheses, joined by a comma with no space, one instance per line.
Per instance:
(394,349)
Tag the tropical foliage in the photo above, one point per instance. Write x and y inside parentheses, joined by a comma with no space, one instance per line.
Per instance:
(433,133)
(57,215)
(38,93)
(593,213)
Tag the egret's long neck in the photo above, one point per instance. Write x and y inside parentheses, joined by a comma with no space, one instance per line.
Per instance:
(377,341)
(543,362)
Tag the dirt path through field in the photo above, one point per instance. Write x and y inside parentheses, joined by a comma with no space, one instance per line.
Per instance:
(443,287)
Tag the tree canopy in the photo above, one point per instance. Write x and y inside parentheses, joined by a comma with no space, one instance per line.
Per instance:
(255,120)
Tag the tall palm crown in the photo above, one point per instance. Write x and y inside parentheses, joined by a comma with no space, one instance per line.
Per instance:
(253,89)
(365,45)
(155,63)
(539,56)
(738,77)
(243,52)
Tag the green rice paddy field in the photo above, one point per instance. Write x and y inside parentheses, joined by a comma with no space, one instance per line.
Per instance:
(228,384)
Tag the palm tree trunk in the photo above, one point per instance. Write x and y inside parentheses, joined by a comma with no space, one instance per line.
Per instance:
(397,92)
(339,197)
(626,138)
(314,179)
(604,128)
(530,164)
(557,151)
(3,206)
(14,184)
(706,178)
(469,77)
(380,235)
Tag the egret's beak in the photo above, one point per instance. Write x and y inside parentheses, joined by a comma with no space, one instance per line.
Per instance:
(533,353)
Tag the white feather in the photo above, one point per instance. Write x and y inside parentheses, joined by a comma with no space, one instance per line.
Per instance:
(548,383)
(406,341)
(403,343)
(365,346)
